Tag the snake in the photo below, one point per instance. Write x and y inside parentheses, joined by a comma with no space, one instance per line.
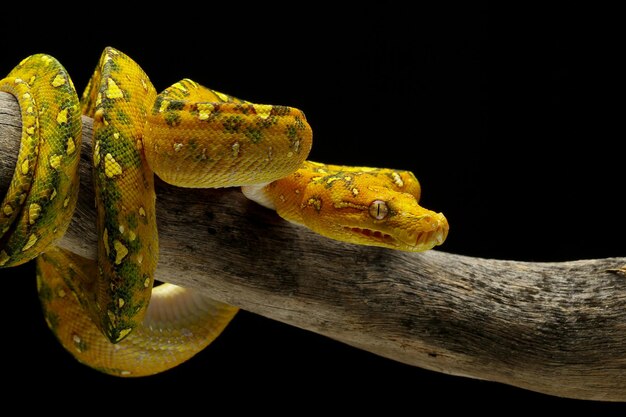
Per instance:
(108,313)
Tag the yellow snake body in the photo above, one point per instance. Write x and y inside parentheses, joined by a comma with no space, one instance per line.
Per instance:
(107,314)
(117,98)
(178,323)
(36,213)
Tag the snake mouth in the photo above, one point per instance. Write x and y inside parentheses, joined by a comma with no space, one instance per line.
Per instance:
(423,241)
(374,235)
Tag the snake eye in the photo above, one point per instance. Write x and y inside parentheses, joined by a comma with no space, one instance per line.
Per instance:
(378,209)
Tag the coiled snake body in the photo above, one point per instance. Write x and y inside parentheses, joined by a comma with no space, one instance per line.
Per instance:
(107,314)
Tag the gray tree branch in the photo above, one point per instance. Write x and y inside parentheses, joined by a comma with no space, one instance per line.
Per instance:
(556,328)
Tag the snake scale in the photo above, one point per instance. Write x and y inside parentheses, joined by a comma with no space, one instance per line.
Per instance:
(107,313)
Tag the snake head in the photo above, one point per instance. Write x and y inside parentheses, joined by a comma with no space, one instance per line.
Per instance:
(366,206)
(371,211)
(387,218)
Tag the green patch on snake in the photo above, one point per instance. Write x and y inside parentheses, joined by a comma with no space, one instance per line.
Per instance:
(118,328)
(110,65)
(193,145)
(133,246)
(131,285)
(122,150)
(176,105)
(132,221)
(123,117)
(266,123)
(254,134)
(63,100)
(292,134)
(157,104)
(111,228)
(110,195)
(21,242)
(121,314)
(66,131)
(244,108)
(280,110)
(299,123)
(172,118)
(295,144)
(232,124)
(105,104)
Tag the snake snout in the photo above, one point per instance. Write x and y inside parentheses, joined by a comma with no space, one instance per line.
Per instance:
(434,230)
(441,232)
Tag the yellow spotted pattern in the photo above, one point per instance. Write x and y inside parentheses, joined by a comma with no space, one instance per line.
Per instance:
(32,216)
(186,135)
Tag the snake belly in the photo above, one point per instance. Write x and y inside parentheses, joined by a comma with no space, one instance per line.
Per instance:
(190,136)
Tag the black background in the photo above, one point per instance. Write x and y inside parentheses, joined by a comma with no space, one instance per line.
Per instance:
(505,116)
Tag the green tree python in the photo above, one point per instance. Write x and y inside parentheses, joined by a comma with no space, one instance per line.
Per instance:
(106,313)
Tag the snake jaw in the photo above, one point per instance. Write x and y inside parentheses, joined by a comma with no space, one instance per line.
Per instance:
(376,236)
(425,232)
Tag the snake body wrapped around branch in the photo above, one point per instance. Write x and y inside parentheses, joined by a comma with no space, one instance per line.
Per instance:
(107,314)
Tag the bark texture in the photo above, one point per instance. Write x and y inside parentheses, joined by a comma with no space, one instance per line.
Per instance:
(556,328)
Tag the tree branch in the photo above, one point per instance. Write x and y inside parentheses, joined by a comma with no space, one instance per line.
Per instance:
(556,328)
